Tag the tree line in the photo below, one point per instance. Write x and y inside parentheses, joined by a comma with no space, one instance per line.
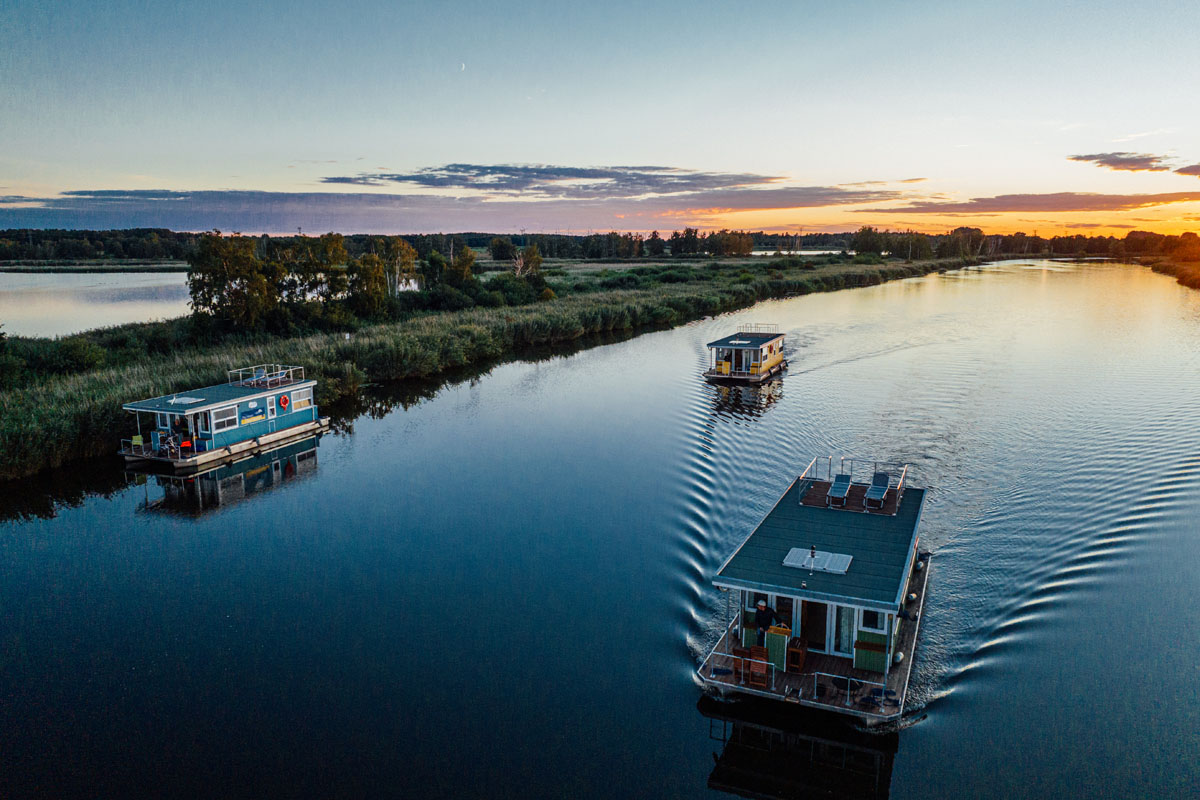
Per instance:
(157,243)
(967,242)
(298,283)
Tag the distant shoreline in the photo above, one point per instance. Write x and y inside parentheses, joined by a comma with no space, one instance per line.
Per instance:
(72,266)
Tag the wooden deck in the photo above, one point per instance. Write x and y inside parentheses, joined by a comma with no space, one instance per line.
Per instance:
(814,685)
(249,447)
(817,491)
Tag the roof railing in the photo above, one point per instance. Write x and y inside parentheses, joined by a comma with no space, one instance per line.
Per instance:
(266,376)
(758,327)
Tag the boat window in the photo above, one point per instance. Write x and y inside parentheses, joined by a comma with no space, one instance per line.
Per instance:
(271,407)
(872,621)
(752,599)
(203,422)
(164,420)
(301,398)
(224,418)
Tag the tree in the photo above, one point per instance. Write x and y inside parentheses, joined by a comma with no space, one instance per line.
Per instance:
(433,269)
(655,246)
(400,262)
(867,240)
(368,285)
(227,281)
(458,273)
(528,262)
(502,249)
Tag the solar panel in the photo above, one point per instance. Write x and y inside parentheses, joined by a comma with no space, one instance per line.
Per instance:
(801,558)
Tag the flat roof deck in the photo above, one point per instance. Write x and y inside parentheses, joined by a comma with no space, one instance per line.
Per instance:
(745,340)
(880,542)
(209,397)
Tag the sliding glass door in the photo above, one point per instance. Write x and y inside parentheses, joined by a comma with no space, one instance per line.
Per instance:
(842,635)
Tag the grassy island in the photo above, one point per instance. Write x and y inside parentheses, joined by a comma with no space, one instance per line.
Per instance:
(61,399)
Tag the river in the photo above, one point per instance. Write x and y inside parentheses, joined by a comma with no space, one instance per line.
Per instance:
(60,303)
(503,589)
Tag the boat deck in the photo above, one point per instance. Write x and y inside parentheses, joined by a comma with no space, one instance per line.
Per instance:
(717,376)
(817,491)
(816,685)
(172,459)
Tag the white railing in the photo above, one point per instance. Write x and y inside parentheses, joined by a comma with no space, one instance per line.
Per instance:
(852,687)
(758,327)
(266,376)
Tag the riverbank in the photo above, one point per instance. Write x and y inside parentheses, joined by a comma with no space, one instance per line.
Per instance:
(62,418)
(1185,272)
(95,265)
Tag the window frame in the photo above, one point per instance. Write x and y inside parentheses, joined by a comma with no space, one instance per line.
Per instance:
(217,426)
(863,626)
(301,399)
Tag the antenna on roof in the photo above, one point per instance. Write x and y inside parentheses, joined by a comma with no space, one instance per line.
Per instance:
(812,560)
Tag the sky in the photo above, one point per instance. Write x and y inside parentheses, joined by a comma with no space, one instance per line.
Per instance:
(391,117)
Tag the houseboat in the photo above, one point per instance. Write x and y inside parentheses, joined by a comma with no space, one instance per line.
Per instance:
(752,355)
(837,564)
(227,482)
(258,408)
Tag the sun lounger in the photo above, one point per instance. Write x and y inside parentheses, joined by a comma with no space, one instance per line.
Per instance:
(877,491)
(836,496)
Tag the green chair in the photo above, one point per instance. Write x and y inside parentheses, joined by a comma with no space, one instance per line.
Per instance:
(136,444)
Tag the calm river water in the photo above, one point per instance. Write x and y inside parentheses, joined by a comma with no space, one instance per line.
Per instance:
(56,304)
(503,590)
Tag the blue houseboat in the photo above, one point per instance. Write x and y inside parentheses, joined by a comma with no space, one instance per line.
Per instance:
(752,355)
(824,598)
(258,408)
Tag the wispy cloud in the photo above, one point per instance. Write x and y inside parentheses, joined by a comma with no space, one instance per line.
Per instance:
(1056,202)
(543,181)
(1134,136)
(1126,162)
(257,211)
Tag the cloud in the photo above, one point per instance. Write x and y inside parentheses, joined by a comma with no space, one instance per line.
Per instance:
(543,181)
(1126,162)
(1057,202)
(273,212)
(1091,225)
(1191,169)
(1132,136)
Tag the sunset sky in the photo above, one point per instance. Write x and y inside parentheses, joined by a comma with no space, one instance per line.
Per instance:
(453,116)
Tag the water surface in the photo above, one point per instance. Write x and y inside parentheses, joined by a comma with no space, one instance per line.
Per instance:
(56,304)
(504,590)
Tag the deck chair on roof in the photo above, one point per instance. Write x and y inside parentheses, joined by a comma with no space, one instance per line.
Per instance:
(838,490)
(877,491)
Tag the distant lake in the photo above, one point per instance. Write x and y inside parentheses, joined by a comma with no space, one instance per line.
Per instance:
(500,586)
(57,304)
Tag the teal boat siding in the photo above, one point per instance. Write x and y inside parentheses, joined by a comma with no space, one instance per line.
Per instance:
(264,426)
(257,415)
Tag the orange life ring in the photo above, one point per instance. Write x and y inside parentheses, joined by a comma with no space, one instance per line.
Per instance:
(283,401)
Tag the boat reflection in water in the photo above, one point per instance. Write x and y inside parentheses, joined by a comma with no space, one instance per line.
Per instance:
(229,482)
(746,401)
(773,752)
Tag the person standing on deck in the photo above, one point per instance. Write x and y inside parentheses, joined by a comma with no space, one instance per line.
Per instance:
(764,617)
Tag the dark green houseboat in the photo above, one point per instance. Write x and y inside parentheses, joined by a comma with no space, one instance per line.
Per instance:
(258,408)
(836,562)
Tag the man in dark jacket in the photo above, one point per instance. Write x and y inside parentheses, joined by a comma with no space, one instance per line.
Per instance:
(764,617)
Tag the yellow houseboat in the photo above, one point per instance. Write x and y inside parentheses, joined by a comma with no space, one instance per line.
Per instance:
(752,355)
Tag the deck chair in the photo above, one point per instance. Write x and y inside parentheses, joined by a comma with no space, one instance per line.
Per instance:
(838,490)
(877,491)
(137,445)
(757,674)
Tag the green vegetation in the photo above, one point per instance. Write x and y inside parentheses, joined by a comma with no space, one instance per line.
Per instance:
(64,397)
(1183,261)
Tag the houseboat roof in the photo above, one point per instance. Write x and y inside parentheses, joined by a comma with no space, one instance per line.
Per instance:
(880,545)
(210,397)
(745,340)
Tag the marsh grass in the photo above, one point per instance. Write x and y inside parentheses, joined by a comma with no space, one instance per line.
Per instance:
(60,418)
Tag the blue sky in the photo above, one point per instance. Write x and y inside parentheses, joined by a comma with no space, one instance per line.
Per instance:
(271,114)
